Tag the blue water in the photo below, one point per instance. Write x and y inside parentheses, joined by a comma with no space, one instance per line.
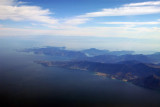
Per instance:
(25,83)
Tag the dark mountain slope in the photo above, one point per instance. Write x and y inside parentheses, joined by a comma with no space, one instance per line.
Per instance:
(152,82)
(115,59)
(140,74)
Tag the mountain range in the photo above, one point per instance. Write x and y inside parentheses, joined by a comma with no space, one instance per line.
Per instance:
(96,55)
(139,69)
(140,74)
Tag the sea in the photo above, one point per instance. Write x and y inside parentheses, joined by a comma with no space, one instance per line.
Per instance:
(24,83)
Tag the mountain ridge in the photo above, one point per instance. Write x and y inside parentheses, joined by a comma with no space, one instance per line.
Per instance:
(131,72)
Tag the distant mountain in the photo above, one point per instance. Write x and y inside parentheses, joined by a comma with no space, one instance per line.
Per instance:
(115,59)
(157,53)
(139,73)
(154,57)
(96,55)
(142,70)
(131,62)
(94,52)
(118,53)
(57,51)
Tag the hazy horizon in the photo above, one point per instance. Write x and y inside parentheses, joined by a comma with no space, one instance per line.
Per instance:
(103,24)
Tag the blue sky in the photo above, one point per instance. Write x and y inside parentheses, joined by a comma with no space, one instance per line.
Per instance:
(118,21)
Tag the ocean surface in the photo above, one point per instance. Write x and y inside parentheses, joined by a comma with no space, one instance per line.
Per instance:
(24,83)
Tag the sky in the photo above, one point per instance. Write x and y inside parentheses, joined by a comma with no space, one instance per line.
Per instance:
(114,24)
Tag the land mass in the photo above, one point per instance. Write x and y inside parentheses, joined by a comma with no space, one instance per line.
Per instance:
(140,74)
(96,55)
(139,69)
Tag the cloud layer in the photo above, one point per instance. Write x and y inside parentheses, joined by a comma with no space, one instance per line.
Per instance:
(143,8)
(128,9)
(16,11)
(132,23)
(121,32)
(19,11)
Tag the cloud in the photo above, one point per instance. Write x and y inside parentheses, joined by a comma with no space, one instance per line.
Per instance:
(1,25)
(16,11)
(125,32)
(131,23)
(149,3)
(141,8)
(7,2)
(76,21)
(125,11)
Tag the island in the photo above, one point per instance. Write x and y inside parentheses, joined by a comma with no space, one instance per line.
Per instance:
(141,74)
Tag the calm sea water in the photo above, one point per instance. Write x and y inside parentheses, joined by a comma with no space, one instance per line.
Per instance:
(24,83)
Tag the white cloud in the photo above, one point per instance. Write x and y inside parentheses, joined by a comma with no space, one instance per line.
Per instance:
(131,23)
(7,2)
(125,11)
(16,11)
(126,32)
(12,10)
(149,3)
(76,21)
(141,8)
(1,25)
